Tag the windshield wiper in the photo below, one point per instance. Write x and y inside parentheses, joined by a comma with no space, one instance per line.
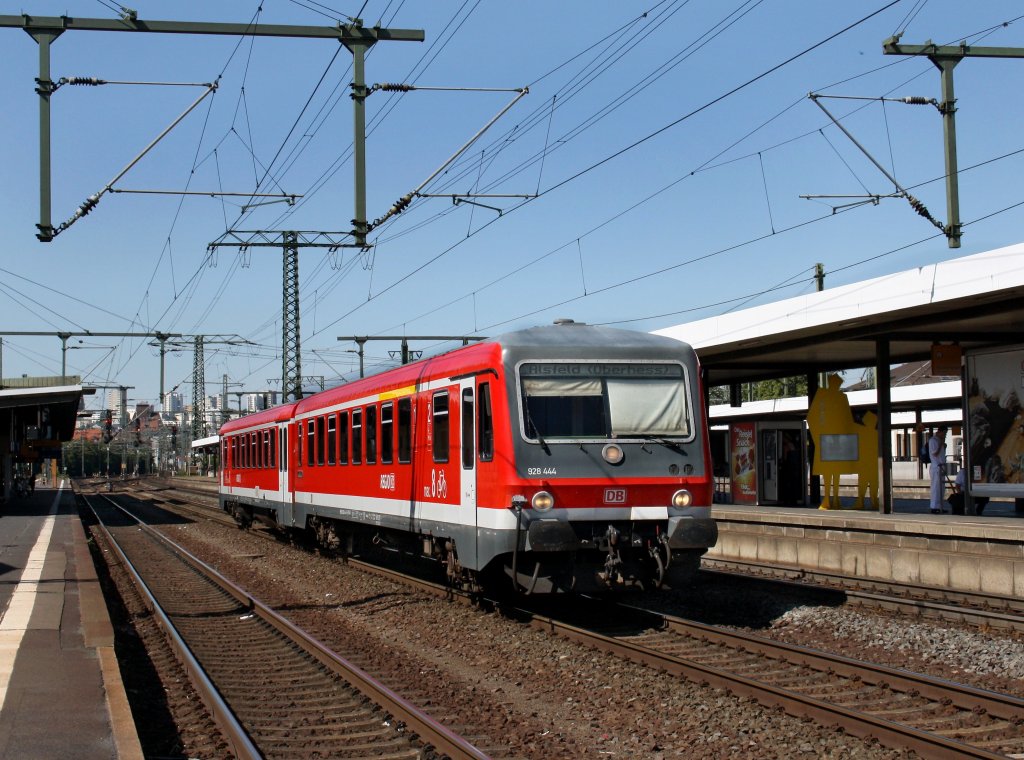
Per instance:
(674,445)
(536,431)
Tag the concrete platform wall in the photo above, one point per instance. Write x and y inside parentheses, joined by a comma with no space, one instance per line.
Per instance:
(980,555)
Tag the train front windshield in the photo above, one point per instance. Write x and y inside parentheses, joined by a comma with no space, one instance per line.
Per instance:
(586,401)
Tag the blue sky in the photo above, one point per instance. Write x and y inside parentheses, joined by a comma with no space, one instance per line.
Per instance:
(667,145)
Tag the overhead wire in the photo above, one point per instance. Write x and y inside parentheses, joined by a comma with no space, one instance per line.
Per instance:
(630,147)
(730,18)
(707,165)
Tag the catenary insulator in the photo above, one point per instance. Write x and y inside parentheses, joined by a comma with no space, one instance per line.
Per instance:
(918,100)
(393,87)
(91,81)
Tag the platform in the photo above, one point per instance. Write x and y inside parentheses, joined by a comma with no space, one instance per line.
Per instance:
(962,552)
(61,694)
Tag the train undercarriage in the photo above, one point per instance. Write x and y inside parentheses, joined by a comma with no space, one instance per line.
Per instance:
(590,561)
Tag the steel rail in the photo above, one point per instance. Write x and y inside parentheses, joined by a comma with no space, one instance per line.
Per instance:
(241,743)
(429,730)
(858,723)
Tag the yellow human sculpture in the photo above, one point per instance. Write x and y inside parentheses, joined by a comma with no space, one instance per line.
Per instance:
(867,462)
(841,445)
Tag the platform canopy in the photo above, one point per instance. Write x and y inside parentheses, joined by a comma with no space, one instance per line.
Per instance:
(34,421)
(974,301)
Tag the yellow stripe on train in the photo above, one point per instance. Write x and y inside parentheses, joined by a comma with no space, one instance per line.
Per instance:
(398,393)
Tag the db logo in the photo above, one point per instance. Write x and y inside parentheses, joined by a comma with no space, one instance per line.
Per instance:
(615,496)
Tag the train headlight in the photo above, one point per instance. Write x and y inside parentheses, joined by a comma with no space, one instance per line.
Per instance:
(542,501)
(682,498)
(612,453)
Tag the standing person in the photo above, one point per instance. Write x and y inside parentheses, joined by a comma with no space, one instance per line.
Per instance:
(937,470)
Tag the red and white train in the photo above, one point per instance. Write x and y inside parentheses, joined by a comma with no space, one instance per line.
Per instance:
(553,455)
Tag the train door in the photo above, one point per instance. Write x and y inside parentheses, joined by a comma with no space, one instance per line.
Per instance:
(284,466)
(283,484)
(467,489)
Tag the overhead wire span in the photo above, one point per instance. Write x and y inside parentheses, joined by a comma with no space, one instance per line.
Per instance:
(288,198)
(915,204)
(403,203)
(90,203)
(96,82)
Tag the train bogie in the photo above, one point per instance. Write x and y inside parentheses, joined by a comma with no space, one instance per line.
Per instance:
(549,456)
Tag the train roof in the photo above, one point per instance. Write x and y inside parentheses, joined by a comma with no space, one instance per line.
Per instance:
(265,417)
(568,333)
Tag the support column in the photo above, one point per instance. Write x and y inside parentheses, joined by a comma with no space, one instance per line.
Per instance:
(882,389)
(291,362)
(812,390)
(44,87)
(359,93)
(198,390)
(948,109)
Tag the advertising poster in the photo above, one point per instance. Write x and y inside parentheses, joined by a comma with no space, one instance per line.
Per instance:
(743,470)
(995,422)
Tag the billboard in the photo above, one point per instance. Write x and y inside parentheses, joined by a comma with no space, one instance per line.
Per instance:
(995,421)
(743,450)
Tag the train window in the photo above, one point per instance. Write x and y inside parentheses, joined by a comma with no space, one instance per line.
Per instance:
(357,436)
(332,435)
(565,408)
(310,443)
(440,413)
(468,453)
(268,456)
(648,407)
(387,432)
(298,445)
(271,442)
(254,451)
(610,400)
(234,452)
(343,438)
(371,435)
(404,430)
(282,462)
(320,441)
(485,424)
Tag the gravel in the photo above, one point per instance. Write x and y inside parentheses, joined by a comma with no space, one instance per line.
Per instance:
(514,691)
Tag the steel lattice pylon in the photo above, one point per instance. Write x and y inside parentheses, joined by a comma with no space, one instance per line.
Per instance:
(291,363)
(198,390)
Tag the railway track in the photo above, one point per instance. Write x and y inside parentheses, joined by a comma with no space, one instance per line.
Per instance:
(274,691)
(900,709)
(933,717)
